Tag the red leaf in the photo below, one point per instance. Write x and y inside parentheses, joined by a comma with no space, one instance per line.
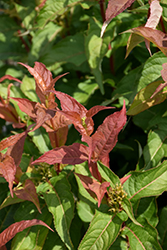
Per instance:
(155,36)
(123,179)
(68,103)
(16,150)
(17,227)
(26,106)
(9,78)
(164,72)
(94,110)
(113,9)
(73,154)
(28,193)
(110,128)
(96,187)
(8,170)
(58,138)
(10,141)
(99,189)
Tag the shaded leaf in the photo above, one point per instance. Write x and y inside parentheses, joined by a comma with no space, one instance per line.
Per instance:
(17,227)
(28,192)
(162,228)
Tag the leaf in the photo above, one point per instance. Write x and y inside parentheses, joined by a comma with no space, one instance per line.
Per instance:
(161,227)
(155,36)
(10,141)
(26,106)
(8,170)
(103,226)
(96,187)
(68,50)
(127,207)
(113,9)
(28,192)
(32,237)
(142,238)
(148,183)
(147,210)
(84,211)
(60,202)
(156,148)
(108,175)
(72,154)
(110,128)
(145,99)
(41,139)
(51,10)
(9,77)
(155,14)
(17,227)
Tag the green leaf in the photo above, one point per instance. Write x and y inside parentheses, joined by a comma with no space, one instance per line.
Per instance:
(96,48)
(108,175)
(152,118)
(60,202)
(162,228)
(42,41)
(41,139)
(85,211)
(148,183)
(10,43)
(70,49)
(142,238)
(143,99)
(102,232)
(119,244)
(52,9)
(29,89)
(84,91)
(147,209)
(34,237)
(53,242)
(127,207)
(156,147)
(10,201)
(140,77)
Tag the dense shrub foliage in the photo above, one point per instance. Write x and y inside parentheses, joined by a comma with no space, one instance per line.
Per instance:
(83,124)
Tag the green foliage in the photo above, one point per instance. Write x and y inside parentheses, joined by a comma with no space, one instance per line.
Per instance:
(74,172)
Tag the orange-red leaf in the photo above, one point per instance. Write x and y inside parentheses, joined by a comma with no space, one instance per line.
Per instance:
(17,227)
(91,185)
(110,128)
(73,154)
(8,170)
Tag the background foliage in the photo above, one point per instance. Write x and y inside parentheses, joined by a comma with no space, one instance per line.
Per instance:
(65,36)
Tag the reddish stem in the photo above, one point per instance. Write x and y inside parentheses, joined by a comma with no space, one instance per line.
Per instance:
(111,61)
(102,9)
(23,41)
